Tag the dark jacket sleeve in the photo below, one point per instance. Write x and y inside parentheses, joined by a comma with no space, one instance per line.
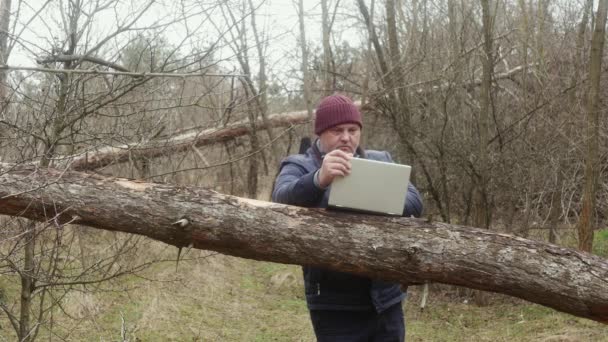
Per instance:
(295,186)
(413,200)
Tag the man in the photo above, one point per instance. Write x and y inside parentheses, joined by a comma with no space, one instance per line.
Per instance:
(343,307)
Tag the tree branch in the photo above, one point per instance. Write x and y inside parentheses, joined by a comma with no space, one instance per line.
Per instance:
(71,58)
(117,73)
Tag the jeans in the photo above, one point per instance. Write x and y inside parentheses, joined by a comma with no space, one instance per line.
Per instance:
(359,326)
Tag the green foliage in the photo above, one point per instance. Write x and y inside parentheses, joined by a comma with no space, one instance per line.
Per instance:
(600,243)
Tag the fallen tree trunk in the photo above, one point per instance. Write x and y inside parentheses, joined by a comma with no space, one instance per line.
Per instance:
(410,251)
(109,155)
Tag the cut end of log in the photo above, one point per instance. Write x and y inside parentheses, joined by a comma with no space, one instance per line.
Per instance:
(133,185)
(255,203)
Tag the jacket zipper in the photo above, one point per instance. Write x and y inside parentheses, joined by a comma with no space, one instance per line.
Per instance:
(318,289)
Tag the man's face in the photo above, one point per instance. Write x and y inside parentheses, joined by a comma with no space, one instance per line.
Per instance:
(344,137)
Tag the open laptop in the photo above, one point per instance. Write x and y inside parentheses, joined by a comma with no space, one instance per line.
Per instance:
(372,187)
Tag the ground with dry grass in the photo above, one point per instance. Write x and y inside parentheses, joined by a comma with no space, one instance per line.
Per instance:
(213,297)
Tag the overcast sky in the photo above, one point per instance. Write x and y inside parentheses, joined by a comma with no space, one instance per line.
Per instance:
(278,18)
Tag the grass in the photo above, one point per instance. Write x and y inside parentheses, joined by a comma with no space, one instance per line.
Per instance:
(223,298)
(600,243)
(449,319)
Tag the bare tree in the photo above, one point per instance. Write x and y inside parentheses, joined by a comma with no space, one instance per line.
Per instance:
(262,98)
(67,107)
(587,220)
(482,200)
(579,48)
(5,11)
(240,46)
(397,60)
(326,30)
(304,65)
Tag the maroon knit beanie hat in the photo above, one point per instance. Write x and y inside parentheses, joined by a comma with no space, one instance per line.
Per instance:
(335,110)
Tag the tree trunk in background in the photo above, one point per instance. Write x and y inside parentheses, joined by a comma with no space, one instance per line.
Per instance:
(556,204)
(327,77)
(525,37)
(542,16)
(304,66)
(481,218)
(406,250)
(578,54)
(29,278)
(413,29)
(481,204)
(587,218)
(5,16)
(399,114)
(397,60)
(369,64)
(385,76)
(393,40)
(25,332)
(455,26)
(252,174)
(262,91)
(262,97)
(240,48)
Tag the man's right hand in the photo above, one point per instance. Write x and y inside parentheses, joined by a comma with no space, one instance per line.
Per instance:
(335,164)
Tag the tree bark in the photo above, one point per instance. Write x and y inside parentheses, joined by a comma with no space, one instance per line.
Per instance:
(410,251)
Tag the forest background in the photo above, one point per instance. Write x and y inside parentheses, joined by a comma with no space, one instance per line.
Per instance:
(497,104)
